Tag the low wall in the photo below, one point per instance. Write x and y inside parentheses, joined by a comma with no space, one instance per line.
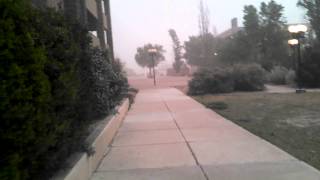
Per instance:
(83,164)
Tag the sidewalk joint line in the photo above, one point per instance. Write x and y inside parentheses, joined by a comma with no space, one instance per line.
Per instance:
(187,143)
(153,144)
(104,156)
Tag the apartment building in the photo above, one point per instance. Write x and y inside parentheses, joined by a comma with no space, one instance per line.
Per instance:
(232,31)
(93,14)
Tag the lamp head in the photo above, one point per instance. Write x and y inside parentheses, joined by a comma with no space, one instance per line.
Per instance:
(152,51)
(300,28)
(293,29)
(293,42)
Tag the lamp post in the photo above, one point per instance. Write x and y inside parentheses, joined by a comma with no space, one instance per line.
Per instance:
(297,32)
(293,43)
(153,52)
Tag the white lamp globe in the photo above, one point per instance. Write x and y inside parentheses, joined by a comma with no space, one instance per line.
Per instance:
(302,28)
(293,42)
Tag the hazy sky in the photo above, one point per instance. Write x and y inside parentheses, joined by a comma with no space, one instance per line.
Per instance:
(137,22)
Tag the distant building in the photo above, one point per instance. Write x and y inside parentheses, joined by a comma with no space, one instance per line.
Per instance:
(93,14)
(310,35)
(232,31)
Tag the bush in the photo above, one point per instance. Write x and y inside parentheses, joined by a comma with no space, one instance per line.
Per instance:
(102,86)
(132,92)
(66,44)
(211,81)
(28,127)
(278,75)
(248,77)
(291,78)
(240,78)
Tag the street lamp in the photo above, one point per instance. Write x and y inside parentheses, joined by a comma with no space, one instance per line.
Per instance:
(297,32)
(293,42)
(298,29)
(153,52)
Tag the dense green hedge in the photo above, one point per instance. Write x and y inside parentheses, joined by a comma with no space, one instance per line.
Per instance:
(25,93)
(241,77)
(102,85)
(42,60)
(212,81)
(248,77)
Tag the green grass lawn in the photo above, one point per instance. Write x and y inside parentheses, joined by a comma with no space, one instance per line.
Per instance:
(289,121)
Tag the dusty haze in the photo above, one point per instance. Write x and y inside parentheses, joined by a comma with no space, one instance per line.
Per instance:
(136,22)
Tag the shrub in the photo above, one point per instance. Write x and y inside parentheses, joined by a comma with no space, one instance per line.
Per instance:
(291,78)
(66,44)
(248,77)
(28,127)
(240,78)
(132,92)
(102,85)
(278,75)
(211,81)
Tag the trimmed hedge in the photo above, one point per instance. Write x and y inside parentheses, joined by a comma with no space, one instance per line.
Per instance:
(211,81)
(42,58)
(241,77)
(248,77)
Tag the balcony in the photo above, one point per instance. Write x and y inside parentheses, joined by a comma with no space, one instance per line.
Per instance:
(92,7)
(93,10)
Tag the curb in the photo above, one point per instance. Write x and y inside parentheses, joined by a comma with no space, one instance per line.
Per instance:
(84,165)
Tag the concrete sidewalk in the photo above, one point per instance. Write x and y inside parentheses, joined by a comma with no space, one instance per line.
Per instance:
(169,136)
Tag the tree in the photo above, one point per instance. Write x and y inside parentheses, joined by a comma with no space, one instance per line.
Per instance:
(274,46)
(243,47)
(144,58)
(204,20)
(252,35)
(251,21)
(309,68)
(237,49)
(252,25)
(313,13)
(176,50)
(263,39)
(201,50)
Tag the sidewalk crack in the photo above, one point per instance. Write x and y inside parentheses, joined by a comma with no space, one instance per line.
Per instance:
(188,144)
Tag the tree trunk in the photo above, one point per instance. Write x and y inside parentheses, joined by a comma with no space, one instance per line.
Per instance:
(150,74)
